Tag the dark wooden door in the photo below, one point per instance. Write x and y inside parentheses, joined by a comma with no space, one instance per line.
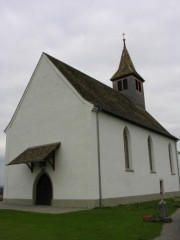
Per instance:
(44,191)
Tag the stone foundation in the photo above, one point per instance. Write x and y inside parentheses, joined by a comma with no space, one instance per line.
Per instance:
(93,203)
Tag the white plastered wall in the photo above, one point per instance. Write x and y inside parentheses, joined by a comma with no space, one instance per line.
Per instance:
(52,111)
(116,181)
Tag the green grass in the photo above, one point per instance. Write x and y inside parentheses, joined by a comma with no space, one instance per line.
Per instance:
(122,222)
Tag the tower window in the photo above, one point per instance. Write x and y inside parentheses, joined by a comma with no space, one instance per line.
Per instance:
(122,85)
(138,85)
(119,83)
(125,84)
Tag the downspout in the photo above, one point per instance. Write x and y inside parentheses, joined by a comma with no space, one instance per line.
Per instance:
(97,110)
(177,159)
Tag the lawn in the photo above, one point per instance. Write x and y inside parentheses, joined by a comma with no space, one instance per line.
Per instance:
(116,223)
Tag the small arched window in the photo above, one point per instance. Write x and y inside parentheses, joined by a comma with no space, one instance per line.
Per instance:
(171,159)
(127,149)
(151,155)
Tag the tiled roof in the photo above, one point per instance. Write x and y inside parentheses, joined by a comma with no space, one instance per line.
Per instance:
(107,99)
(126,67)
(35,154)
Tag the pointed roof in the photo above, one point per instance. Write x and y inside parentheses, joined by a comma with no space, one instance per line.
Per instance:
(126,66)
(108,99)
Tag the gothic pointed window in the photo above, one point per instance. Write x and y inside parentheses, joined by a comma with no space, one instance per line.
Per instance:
(127,150)
(171,159)
(151,155)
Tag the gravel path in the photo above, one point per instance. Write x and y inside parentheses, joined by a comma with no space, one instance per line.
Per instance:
(171,231)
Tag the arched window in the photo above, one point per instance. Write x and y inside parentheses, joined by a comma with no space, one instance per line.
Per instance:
(127,149)
(171,159)
(151,155)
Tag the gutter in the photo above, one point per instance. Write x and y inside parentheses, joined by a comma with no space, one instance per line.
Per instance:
(112,113)
(177,159)
(97,110)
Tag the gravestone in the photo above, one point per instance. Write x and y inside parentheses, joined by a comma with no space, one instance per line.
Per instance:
(163,211)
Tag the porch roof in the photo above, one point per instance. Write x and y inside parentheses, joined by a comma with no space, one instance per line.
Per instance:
(35,154)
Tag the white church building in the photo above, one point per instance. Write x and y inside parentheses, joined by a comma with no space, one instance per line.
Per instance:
(75,142)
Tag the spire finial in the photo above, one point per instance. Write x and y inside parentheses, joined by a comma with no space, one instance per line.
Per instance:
(124,40)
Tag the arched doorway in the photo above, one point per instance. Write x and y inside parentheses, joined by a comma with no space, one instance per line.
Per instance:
(44,190)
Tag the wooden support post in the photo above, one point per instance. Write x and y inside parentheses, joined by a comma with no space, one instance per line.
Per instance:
(51,161)
(30,166)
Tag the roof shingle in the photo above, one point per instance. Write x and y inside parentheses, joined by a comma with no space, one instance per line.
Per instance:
(35,154)
(126,67)
(107,99)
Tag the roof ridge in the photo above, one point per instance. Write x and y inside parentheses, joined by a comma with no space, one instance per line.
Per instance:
(69,66)
(108,99)
(91,78)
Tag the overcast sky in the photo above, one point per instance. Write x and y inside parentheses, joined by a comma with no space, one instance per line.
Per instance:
(87,34)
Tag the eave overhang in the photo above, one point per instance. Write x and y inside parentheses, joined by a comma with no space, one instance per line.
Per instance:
(118,77)
(117,115)
(37,154)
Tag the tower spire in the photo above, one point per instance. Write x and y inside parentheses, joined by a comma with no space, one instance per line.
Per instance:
(127,81)
(126,66)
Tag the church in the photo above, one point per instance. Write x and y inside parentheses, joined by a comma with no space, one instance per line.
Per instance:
(75,142)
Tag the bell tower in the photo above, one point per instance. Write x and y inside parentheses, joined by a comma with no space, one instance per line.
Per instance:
(127,81)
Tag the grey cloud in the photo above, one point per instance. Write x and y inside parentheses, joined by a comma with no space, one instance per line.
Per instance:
(88,36)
